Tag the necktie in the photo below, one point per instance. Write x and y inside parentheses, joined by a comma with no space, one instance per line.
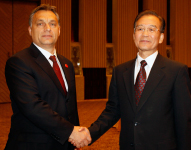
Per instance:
(58,72)
(140,82)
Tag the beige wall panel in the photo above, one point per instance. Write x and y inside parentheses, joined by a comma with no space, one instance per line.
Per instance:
(180,30)
(92,33)
(63,45)
(5,45)
(21,12)
(124,13)
(161,8)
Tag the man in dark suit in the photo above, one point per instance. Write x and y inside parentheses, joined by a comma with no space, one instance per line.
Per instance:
(156,115)
(42,90)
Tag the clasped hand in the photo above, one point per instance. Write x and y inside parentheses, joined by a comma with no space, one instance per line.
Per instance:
(80,137)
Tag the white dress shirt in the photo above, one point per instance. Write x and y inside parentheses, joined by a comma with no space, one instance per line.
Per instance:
(47,56)
(150,61)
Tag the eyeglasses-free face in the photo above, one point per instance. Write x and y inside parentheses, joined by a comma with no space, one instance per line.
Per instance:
(147,35)
(45,29)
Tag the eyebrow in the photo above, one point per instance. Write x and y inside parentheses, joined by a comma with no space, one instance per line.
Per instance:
(40,20)
(43,20)
(52,20)
(149,25)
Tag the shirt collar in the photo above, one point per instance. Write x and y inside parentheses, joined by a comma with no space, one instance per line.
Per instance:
(150,59)
(45,52)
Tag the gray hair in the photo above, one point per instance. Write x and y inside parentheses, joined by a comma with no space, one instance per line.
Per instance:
(46,7)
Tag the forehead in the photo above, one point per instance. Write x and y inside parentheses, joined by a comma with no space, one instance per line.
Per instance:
(148,20)
(44,15)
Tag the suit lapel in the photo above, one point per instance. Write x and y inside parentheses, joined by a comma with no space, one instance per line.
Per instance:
(66,72)
(44,64)
(153,80)
(128,76)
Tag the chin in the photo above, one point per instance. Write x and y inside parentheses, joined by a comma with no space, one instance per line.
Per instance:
(47,42)
(144,48)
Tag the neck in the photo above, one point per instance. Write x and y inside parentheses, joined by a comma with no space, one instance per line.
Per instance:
(49,49)
(145,54)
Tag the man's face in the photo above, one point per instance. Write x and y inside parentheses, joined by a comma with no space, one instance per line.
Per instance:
(147,34)
(45,29)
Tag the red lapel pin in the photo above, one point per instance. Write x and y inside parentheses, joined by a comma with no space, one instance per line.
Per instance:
(66,65)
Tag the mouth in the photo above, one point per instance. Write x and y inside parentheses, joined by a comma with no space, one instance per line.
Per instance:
(144,41)
(47,36)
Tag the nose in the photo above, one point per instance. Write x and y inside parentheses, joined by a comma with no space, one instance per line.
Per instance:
(145,32)
(47,27)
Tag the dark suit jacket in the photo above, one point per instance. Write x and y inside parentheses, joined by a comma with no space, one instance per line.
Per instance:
(43,116)
(162,120)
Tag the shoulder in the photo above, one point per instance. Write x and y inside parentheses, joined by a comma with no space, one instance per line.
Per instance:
(26,53)
(170,63)
(23,55)
(170,67)
(128,66)
(125,65)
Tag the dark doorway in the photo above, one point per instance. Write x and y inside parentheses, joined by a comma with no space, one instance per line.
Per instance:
(95,83)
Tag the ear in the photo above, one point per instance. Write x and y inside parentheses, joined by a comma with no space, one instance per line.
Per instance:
(134,36)
(161,38)
(29,29)
(59,31)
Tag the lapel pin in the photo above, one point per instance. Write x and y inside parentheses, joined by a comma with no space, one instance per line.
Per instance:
(66,65)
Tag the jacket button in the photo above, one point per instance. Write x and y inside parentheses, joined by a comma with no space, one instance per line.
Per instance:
(136,123)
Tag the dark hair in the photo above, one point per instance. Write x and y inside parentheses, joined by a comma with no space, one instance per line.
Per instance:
(43,7)
(151,12)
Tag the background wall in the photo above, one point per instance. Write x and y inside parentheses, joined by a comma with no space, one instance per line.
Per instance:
(14,35)
(92,31)
(179,30)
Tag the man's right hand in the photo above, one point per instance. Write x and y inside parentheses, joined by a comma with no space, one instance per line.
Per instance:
(80,137)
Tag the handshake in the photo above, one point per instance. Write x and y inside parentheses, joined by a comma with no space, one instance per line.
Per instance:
(80,137)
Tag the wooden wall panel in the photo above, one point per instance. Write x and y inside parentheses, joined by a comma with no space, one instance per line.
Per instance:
(63,45)
(124,13)
(5,45)
(21,13)
(14,35)
(161,8)
(180,32)
(92,33)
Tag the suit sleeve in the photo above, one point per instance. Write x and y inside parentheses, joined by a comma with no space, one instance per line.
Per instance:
(110,114)
(182,109)
(25,94)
